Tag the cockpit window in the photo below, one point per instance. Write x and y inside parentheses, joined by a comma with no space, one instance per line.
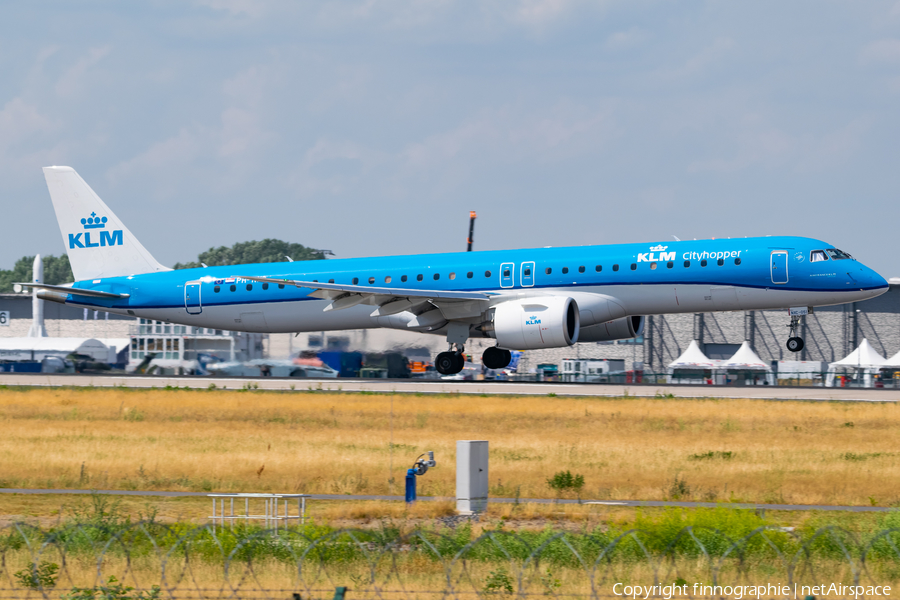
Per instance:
(836,254)
(817,256)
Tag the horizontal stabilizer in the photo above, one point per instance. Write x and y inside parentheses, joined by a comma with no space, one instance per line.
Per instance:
(72,290)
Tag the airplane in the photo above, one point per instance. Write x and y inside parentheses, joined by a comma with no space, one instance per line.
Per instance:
(524,299)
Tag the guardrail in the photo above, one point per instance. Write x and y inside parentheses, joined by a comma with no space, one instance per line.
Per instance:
(179,561)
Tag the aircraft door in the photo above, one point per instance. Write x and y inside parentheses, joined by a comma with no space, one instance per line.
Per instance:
(779,266)
(527,277)
(507,275)
(192,298)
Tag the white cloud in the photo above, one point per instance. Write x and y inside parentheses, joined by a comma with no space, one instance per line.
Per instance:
(624,40)
(700,63)
(19,121)
(881,51)
(72,81)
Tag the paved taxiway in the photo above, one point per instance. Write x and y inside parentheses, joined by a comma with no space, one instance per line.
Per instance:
(612,503)
(424,386)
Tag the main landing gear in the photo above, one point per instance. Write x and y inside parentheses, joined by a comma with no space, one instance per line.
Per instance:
(496,358)
(452,362)
(794,343)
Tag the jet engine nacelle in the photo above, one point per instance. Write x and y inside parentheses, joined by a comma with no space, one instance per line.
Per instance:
(619,329)
(532,323)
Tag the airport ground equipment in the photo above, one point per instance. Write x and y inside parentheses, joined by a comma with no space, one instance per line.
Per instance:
(420,467)
(276,509)
(471,476)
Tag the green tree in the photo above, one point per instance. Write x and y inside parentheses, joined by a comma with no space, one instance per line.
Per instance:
(264,251)
(56,271)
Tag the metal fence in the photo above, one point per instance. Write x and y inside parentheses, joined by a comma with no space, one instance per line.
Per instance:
(150,560)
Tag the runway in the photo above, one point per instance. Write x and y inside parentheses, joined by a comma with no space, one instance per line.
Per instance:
(423,386)
(608,503)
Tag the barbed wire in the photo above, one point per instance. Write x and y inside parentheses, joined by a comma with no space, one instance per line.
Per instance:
(147,560)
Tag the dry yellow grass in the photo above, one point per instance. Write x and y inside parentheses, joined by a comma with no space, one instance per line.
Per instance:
(796,452)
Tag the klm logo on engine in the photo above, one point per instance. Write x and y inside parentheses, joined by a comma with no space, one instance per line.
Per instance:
(532,320)
(651,256)
(102,237)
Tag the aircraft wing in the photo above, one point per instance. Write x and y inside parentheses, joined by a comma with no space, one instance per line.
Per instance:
(74,291)
(388,300)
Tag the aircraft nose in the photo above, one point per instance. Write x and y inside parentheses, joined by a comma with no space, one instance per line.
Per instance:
(874,281)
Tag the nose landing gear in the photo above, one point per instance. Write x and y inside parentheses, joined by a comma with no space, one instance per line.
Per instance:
(794,343)
(451,362)
(496,358)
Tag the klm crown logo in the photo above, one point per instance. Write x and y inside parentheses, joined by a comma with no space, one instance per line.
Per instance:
(659,248)
(94,222)
(107,238)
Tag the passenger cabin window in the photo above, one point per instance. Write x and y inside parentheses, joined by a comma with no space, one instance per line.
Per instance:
(437,276)
(470,274)
(371,280)
(581,269)
(387,279)
(653,266)
(233,288)
(281,285)
(506,272)
(615,267)
(548,270)
(216,289)
(687,263)
(249,287)
(565,270)
(420,277)
(836,254)
(598,268)
(670,264)
(737,261)
(487,274)
(452,275)
(403,278)
(355,280)
(720,262)
(329,281)
(527,271)
(817,256)
(703,263)
(265,286)
(633,266)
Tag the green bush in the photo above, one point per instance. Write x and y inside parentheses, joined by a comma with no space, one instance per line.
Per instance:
(113,590)
(564,481)
(36,577)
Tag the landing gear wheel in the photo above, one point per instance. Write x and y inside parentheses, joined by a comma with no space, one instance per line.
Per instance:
(445,362)
(795,344)
(449,363)
(496,358)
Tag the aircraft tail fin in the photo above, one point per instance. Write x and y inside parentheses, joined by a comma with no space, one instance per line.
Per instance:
(97,242)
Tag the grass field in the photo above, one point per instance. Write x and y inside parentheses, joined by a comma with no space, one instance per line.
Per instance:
(717,450)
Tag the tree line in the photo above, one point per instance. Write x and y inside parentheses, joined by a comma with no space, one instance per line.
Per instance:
(57,269)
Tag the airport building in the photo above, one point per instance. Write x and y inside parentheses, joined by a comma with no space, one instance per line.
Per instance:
(830,334)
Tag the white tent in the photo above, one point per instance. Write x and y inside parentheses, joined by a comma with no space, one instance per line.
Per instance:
(864,359)
(693,364)
(36,348)
(745,359)
(893,362)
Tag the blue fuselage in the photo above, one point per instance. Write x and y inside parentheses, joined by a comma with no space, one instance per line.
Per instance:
(649,278)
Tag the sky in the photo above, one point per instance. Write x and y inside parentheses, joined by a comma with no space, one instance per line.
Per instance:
(373,127)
